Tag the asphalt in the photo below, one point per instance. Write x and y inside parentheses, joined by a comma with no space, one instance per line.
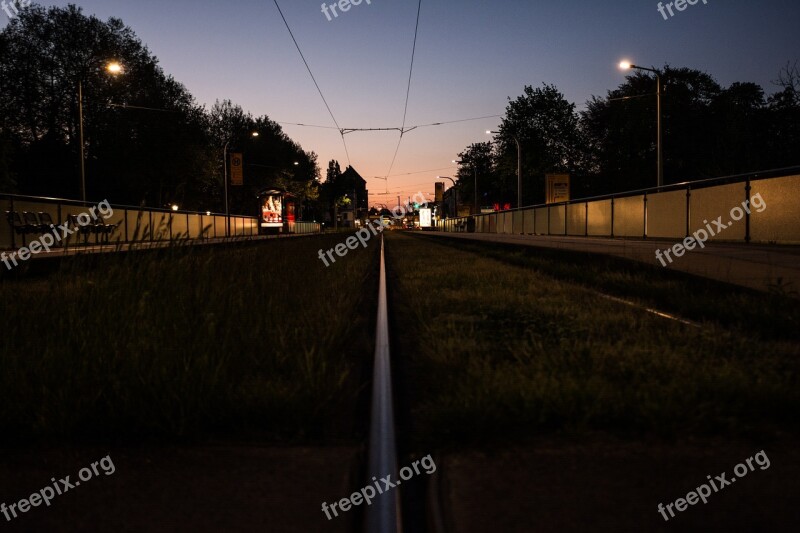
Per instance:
(757,266)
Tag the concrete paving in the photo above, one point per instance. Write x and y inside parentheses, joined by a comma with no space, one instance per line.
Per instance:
(756,266)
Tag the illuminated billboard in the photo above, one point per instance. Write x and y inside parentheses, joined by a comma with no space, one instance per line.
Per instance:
(272,210)
(424,218)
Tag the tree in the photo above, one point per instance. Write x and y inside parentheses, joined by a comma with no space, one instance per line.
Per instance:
(620,130)
(547,127)
(480,158)
(132,154)
(783,109)
(146,139)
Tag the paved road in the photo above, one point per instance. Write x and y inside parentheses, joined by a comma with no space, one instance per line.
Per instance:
(748,265)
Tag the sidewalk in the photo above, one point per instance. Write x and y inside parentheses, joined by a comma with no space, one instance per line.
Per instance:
(755,266)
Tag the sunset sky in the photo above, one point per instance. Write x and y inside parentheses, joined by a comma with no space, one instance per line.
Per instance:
(471,57)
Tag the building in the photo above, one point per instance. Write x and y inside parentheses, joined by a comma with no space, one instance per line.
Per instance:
(354,187)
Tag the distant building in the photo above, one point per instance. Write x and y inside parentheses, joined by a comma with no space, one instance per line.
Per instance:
(351,184)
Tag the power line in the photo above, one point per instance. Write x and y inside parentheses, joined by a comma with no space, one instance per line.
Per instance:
(404,130)
(408,89)
(422,171)
(453,121)
(141,108)
(314,80)
(308,125)
(411,69)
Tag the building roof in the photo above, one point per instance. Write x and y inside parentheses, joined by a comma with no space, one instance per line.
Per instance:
(351,176)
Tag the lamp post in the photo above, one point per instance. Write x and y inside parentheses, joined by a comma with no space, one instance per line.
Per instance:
(455,190)
(225,167)
(113,68)
(626,65)
(519,165)
(475,168)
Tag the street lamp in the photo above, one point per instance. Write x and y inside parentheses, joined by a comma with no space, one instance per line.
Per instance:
(519,165)
(627,65)
(113,68)
(475,168)
(225,167)
(455,189)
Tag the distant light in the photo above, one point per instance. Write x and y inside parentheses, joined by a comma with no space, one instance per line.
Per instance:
(255,134)
(174,207)
(114,68)
(624,65)
(296,163)
(208,213)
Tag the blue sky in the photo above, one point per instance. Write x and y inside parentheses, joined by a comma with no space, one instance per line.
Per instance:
(471,57)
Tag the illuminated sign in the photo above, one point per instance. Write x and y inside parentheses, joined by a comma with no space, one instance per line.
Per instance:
(425,218)
(271,211)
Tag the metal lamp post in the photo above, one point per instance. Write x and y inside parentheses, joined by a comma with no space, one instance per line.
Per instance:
(112,68)
(225,171)
(625,65)
(455,189)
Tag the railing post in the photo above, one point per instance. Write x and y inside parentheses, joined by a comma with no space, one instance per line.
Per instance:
(586,219)
(58,214)
(11,223)
(612,217)
(645,216)
(747,189)
(688,208)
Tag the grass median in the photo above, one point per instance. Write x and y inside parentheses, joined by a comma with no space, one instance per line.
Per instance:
(189,342)
(494,349)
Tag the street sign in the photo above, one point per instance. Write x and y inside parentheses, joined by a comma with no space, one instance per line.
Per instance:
(237,172)
(557,188)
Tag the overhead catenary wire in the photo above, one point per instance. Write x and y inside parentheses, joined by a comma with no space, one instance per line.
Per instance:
(423,171)
(408,88)
(303,57)
(307,125)
(142,108)
(404,130)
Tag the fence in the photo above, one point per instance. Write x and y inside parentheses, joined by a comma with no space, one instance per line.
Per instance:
(669,212)
(131,224)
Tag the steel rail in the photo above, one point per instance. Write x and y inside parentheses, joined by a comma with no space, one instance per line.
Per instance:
(383,516)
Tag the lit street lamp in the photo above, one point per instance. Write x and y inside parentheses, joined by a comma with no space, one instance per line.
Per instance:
(519,166)
(626,65)
(113,68)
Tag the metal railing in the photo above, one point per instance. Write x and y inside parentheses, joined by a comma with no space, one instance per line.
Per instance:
(670,211)
(129,224)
